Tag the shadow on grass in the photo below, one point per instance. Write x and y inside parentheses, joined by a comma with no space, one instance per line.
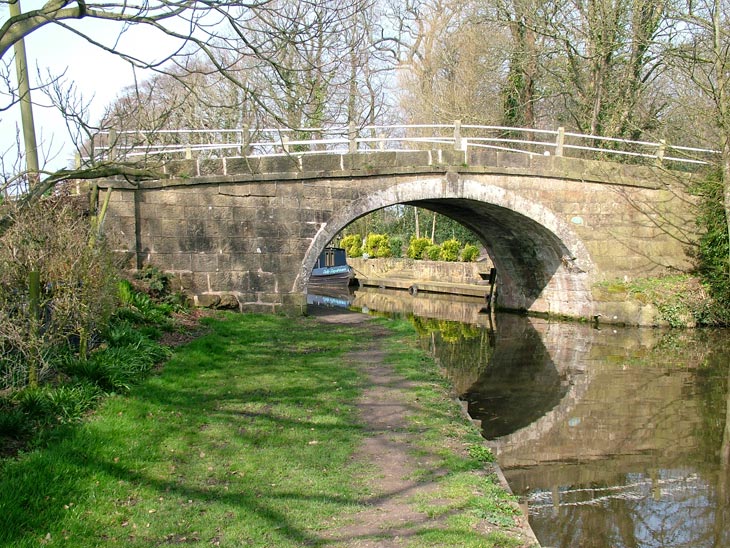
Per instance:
(252,423)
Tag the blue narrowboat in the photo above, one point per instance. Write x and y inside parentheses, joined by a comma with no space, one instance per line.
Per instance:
(332,268)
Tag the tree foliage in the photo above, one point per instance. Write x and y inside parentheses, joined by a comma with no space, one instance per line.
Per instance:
(714,247)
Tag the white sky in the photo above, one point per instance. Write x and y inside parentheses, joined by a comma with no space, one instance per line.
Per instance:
(97,74)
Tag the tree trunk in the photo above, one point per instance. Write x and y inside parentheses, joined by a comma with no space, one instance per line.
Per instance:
(26,106)
(726,184)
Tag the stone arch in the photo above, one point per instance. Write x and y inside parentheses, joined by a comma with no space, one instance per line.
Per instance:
(542,265)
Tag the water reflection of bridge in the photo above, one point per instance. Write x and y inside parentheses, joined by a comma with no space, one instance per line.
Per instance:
(553,386)
(469,310)
(616,395)
(555,393)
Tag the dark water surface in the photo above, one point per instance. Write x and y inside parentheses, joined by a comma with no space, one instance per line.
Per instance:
(613,437)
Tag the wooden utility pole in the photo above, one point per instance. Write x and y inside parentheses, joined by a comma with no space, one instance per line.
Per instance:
(26,107)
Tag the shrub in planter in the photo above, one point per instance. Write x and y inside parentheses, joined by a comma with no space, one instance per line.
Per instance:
(378,245)
(352,244)
(470,253)
(433,252)
(417,246)
(450,250)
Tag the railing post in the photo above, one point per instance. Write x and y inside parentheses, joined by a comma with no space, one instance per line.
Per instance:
(285,143)
(188,153)
(381,142)
(112,143)
(559,141)
(352,138)
(245,139)
(660,151)
(457,135)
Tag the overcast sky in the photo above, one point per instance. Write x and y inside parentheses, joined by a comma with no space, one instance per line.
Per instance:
(97,74)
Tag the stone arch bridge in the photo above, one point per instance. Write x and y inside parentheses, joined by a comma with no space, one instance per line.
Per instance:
(248,230)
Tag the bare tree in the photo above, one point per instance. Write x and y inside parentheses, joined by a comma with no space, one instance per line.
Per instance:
(324,72)
(606,61)
(451,62)
(287,43)
(520,89)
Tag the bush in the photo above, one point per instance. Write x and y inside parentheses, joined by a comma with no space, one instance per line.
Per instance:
(378,245)
(417,246)
(433,252)
(13,422)
(125,361)
(470,253)
(139,307)
(76,291)
(352,243)
(154,281)
(450,250)
(48,405)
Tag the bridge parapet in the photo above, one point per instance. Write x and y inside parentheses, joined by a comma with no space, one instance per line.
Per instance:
(373,163)
(163,145)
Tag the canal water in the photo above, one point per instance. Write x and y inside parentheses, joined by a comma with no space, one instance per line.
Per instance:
(611,437)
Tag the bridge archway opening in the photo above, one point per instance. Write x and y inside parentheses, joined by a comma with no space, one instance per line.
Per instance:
(542,265)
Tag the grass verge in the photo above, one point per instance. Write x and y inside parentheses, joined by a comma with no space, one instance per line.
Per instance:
(467,491)
(245,438)
(680,300)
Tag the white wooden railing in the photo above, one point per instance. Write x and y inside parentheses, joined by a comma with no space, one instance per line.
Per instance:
(246,142)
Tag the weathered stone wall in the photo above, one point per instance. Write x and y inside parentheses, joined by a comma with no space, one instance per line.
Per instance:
(251,230)
(440,271)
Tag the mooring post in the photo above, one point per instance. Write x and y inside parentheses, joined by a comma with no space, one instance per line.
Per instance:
(492,281)
(34,292)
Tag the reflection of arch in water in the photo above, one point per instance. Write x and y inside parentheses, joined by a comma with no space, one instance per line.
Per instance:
(442,307)
(559,357)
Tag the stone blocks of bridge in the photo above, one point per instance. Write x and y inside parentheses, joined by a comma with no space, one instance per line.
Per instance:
(247,230)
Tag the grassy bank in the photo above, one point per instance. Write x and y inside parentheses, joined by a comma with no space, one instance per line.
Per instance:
(246,437)
(680,301)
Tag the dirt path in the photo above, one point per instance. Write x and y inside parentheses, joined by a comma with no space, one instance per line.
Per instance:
(390,518)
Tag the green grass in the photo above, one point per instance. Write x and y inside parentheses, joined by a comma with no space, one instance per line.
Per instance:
(681,300)
(246,437)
